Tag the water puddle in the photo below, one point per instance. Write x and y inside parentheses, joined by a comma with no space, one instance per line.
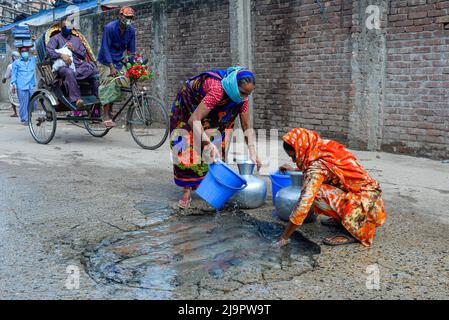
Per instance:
(189,254)
(155,212)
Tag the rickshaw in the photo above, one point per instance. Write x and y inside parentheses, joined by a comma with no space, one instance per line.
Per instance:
(147,117)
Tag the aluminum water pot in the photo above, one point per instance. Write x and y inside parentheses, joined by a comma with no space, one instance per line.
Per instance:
(287,198)
(255,194)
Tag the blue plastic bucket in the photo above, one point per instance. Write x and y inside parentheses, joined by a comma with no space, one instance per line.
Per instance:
(220,184)
(279,181)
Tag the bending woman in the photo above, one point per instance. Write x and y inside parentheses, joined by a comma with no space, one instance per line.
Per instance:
(338,186)
(211,100)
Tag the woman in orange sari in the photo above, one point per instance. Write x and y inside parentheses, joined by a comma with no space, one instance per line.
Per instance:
(338,187)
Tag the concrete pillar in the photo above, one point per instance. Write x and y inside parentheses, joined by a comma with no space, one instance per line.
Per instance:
(158,52)
(368,73)
(242,36)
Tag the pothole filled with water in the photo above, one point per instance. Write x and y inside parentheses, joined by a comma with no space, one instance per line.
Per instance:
(192,253)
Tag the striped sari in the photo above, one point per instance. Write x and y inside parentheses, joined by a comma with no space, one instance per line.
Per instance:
(190,169)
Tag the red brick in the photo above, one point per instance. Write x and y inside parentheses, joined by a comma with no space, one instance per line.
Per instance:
(417,15)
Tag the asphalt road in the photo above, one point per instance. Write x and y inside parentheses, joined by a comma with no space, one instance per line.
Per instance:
(62,204)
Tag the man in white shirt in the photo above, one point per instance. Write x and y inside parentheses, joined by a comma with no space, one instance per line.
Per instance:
(13,99)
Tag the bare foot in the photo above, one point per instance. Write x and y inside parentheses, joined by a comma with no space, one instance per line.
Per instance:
(109,123)
(80,103)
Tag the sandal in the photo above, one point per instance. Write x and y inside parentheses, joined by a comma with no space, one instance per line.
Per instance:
(14,116)
(331,222)
(109,124)
(184,203)
(332,241)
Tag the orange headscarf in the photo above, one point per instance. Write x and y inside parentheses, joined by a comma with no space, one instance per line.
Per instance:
(309,147)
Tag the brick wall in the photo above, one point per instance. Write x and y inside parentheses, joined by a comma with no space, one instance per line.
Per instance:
(416,110)
(198,39)
(143,24)
(303,65)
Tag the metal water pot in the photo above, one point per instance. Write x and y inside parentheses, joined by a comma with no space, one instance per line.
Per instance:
(287,198)
(255,194)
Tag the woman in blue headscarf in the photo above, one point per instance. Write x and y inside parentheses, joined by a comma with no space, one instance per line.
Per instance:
(202,118)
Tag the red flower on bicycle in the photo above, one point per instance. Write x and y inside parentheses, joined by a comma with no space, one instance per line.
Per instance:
(136,70)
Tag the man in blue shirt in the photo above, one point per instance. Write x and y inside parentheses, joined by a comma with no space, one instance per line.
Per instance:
(23,81)
(119,37)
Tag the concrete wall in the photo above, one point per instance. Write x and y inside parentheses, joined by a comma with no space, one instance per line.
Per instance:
(368,76)
(318,64)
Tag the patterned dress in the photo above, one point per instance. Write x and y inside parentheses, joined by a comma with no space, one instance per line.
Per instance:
(190,167)
(337,185)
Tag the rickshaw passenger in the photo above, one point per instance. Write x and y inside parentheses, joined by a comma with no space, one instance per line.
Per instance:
(85,69)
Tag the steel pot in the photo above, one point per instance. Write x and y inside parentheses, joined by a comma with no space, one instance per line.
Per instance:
(255,194)
(287,198)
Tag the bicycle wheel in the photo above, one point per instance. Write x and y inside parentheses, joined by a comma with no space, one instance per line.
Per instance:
(149,122)
(95,124)
(41,119)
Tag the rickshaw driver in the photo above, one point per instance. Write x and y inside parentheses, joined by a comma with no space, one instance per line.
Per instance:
(119,37)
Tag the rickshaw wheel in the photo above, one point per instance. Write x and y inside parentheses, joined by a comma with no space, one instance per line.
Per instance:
(95,125)
(97,130)
(42,119)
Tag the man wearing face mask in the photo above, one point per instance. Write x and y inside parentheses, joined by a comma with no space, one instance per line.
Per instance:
(23,81)
(85,68)
(13,99)
(119,37)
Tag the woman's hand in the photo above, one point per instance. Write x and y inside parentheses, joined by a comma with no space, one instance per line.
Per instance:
(281,243)
(286,167)
(255,157)
(258,161)
(212,152)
